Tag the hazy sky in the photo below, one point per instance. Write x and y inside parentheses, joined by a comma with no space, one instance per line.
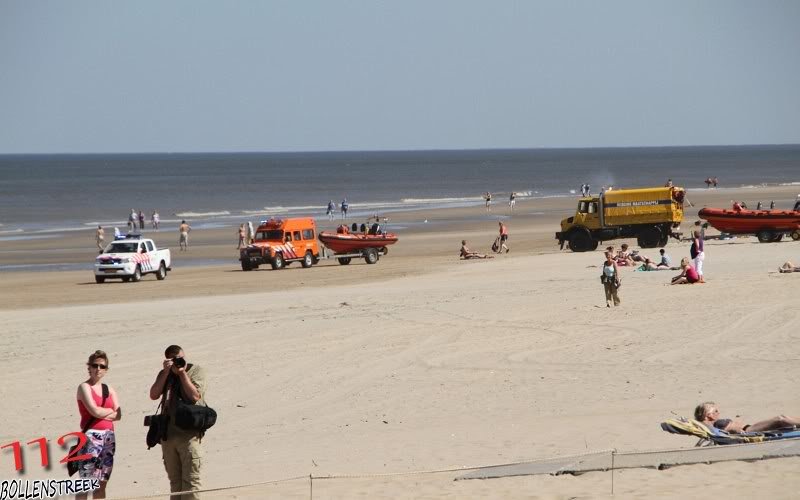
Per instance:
(171,76)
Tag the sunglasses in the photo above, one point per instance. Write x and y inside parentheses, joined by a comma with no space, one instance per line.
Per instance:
(98,366)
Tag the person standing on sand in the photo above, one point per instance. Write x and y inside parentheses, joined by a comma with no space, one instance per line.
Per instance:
(181,452)
(132,220)
(610,280)
(98,407)
(100,238)
(242,236)
(344,206)
(184,238)
(141,220)
(331,210)
(697,249)
(155,219)
(503,237)
(512,200)
(488,198)
(250,233)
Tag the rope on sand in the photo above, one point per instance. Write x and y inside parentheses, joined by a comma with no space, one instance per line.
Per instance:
(312,477)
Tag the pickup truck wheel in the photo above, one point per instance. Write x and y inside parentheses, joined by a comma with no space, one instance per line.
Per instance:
(162,272)
(137,274)
(649,237)
(371,256)
(308,260)
(99,279)
(344,260)
(765,236)
(278,262)
(580,241)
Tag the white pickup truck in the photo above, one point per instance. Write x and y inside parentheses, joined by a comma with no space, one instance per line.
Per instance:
(129,258)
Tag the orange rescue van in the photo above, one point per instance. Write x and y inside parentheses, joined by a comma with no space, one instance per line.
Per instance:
(278,242)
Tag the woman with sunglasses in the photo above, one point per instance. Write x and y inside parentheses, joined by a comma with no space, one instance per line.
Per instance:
(97,418)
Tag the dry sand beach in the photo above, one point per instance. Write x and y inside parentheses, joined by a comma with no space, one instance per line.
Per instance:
(421,362)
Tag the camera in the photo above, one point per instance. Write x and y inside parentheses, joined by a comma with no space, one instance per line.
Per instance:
(179,362)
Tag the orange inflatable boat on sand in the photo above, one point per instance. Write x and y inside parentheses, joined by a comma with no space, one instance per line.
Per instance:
(768,225)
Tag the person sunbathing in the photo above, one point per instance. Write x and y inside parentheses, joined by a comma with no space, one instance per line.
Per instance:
(688,274)
(623,256)
(708,414)
(788,267)
(466,253)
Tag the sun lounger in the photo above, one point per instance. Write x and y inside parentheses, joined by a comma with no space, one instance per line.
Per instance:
(709,436)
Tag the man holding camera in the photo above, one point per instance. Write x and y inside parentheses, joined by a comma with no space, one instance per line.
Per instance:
(181,448)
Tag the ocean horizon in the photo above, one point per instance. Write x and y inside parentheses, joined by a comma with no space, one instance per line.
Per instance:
(42,194)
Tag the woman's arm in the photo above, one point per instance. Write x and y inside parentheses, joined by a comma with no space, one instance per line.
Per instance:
(85,396)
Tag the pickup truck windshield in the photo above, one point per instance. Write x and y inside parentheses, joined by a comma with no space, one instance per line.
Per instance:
(123,247)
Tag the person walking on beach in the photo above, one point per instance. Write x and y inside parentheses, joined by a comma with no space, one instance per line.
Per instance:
(155,219)
(98,407)
(141,220)
(488,198)
(610,280)
(179,380)
(183,241)
(100,238)
(512,200)
(242,236)
(503,237)
(132,220)
(331,210)
(250,233)
(344,206)
(772,205)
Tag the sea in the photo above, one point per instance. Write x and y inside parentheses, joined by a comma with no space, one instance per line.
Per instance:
(42,195)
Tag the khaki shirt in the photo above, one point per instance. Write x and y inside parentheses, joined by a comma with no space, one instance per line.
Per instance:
(198,377)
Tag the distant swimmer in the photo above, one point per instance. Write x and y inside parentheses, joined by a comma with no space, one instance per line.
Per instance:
(184,237)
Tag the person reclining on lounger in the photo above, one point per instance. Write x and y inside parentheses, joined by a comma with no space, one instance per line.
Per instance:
(466,253)
(708,414)
(788,267)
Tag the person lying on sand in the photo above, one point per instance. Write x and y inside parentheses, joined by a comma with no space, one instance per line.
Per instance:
(466,253)
(708,414)
(788,267)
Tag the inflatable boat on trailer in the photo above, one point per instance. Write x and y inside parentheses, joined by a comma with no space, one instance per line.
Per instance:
(768,225)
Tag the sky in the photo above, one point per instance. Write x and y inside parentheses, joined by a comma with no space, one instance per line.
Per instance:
(202,76)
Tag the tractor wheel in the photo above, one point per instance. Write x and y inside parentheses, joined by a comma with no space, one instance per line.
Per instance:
(580,241)
(649,237)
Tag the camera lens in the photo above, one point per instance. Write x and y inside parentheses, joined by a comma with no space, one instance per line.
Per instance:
(179,362)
